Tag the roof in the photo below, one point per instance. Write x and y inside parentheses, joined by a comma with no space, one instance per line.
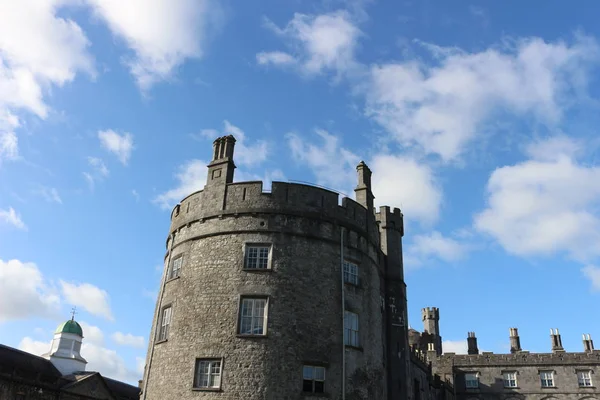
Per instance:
(122,389)
(70,326)
(14,359)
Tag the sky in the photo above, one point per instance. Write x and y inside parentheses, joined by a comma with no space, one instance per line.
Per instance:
(479,120)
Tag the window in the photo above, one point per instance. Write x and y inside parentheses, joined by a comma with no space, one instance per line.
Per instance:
(510,379)
(350,273)
(253,316)
(257,257)
(351,329)
(584,378)
(547,378)
(313,379)
(165,322)
(176,267)
(471,380)
(208,374)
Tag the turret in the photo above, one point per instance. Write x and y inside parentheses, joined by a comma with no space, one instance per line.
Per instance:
(515,341)
(556,341)
(588,344)
(65,348)
(220,169)
(431,326)
(472,344)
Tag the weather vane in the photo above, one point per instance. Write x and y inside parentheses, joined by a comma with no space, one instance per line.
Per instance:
(73,312)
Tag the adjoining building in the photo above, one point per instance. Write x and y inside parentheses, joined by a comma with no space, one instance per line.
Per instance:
(58,374)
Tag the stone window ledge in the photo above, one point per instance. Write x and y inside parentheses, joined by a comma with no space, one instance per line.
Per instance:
(195,389)
(161,341)
(350,347)
(257,269)
(173,279)
(246,336)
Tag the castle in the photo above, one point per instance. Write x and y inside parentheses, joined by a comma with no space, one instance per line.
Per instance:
(290,294)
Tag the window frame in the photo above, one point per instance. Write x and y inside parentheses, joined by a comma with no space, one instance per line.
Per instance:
(581,380)
(211,361)
(160,337)
(314,379)
(265,315)
(351,277)
(506,378)
(476,380)
(545,382)
(258,245)
(351,335)
(179,258)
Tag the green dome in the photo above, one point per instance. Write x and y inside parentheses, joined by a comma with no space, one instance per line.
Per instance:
(71,326)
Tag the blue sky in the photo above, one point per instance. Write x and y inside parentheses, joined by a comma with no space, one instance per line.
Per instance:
(479,120)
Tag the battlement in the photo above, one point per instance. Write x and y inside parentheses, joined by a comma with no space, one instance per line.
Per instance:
(519,358)
(390,219)
(432,313)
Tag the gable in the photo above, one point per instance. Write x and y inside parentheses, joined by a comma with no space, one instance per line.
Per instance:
(91,385)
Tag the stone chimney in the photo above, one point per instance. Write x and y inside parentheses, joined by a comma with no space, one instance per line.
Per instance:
(515,341)
(556,341)
(472,343)
(364,195)
(221,167)
(588,343)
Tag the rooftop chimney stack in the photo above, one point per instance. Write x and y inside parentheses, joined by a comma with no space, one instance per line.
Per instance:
(515,341)
(588,343)
(364,195)
(556,341)
(472,343)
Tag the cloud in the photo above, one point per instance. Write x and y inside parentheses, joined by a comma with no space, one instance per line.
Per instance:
(99,171)
(161,33)
(424,247)
(454,346)
(592,273)
(92,334)
(440,107)
(320,43)
(88,297)
(24,292)
(11,217)
(545,205)
(191,177)
(119,145)
(49,194)
(127,339)
(34,346)
(9,145)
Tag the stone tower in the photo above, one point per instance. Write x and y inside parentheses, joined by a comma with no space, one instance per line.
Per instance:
(65,348)
(269,295)
(431,327)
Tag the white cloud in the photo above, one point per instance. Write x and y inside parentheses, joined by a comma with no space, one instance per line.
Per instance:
(49,194)
(434,245)
(11,217)
(440,108)
(119,145)
(544,206)
(88,297)
(127,339)
(92,334)
(191,177)
(592,273)
(99,171)
(454,346)
(9,146)
(161,33)
(322,42)
(34,346)
(245,154)
(24,292)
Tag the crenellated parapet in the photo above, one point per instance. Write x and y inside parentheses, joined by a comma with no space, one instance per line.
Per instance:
(516,359)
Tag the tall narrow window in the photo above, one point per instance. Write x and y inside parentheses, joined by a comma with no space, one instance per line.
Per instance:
(584,378)
(176,267)
(208,374)
(547,378)
(350,273)
(253,319)
(510,379)
(313,379)
(351,329)
(257,256)
(471,380)
(165,322)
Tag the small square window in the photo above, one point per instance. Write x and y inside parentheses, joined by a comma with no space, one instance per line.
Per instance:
(510,379)
(350,273)
(253,316)
(313,379)
(471,381)
(165,323)
(547,378)
(208,374)
(351,329)
(257,256)
(584,378)
(176,267)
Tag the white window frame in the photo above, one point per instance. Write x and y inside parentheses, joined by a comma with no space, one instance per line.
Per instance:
(313,377)
(547,378)
(166,315)
(208,373)
(258,323)
(177,261)
(261,260)
(350,273)
(510,379)
(351,329)
(584,378)
(472,383)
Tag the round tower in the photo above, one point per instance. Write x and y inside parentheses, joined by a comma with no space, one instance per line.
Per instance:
(266,295)
(65,348)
